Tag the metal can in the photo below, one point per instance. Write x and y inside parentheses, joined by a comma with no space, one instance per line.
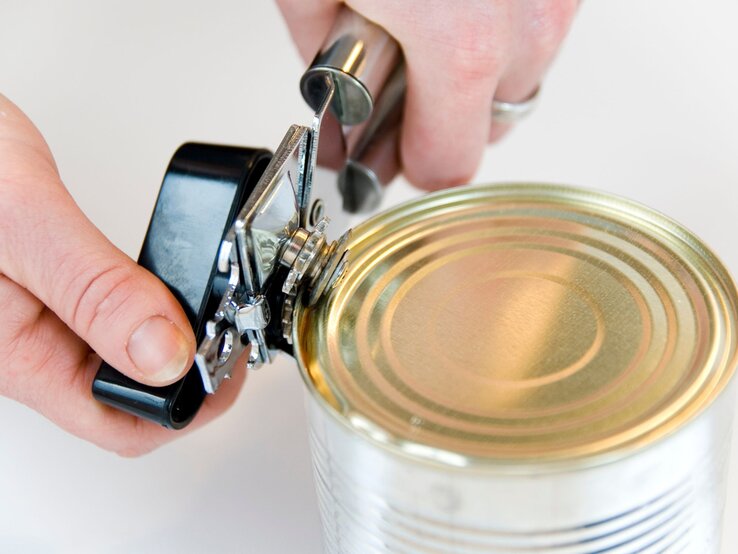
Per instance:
(521,368)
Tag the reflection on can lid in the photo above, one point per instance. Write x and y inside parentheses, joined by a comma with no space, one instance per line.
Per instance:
(521,323)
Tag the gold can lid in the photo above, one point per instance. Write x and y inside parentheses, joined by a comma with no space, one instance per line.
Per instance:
(521,323)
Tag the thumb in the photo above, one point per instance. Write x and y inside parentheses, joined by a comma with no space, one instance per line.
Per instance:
(48,246)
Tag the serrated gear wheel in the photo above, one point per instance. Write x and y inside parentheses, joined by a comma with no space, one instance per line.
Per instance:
(307,255)
(287,310)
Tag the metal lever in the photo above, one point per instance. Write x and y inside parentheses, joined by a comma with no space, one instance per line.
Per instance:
(366,66)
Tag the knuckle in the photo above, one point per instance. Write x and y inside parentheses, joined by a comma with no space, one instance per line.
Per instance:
(475,55)
(468,67)
(470,44)
(101,295)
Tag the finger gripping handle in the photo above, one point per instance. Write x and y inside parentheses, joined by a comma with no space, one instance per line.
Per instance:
(203,189)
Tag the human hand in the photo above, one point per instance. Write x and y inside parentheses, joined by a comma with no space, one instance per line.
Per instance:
(459,55)
(65,292)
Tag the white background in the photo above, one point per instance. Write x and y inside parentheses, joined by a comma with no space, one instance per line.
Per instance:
(642,102)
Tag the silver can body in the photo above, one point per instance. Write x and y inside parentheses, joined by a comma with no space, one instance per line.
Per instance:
(519,369)
(666,498)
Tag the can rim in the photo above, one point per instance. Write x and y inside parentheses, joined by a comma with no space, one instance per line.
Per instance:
(721,282)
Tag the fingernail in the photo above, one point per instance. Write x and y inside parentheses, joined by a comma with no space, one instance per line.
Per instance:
(159,349)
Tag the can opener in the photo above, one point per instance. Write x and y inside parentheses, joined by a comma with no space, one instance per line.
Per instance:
(236,234)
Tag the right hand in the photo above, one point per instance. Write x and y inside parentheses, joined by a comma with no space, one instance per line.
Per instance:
(459,56)
(69,298)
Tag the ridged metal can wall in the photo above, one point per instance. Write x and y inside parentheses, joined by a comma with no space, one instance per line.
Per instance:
(518,369)
(668,498)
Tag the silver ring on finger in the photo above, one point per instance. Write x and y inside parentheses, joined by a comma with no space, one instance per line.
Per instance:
(511,112)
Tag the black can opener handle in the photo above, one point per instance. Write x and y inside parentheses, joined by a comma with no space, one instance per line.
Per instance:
(203,189)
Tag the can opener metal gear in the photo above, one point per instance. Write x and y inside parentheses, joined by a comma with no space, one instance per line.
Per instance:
(271,230)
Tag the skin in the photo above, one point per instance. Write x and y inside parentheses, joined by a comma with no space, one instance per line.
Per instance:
(70,297)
